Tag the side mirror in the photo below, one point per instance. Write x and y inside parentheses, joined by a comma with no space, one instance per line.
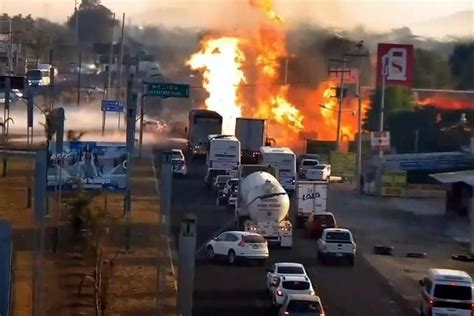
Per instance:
(216,239)
(421,282)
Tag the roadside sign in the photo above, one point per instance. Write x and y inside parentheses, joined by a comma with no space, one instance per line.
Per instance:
(343,164)
(380,140)
(112,106)
(167,90)
(396,62)
(394,183)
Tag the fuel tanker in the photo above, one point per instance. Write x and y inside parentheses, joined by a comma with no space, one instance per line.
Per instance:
(263,205)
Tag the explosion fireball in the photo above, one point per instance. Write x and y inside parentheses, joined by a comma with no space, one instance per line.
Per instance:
(288,111)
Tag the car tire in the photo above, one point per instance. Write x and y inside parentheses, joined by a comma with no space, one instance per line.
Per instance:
(231,258)
(210,253)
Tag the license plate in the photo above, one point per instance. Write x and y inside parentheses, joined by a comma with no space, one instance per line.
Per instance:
(255,246)
(338,254)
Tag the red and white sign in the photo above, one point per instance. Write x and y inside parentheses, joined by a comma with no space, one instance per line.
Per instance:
(349,77)
(396,62)
(380,140)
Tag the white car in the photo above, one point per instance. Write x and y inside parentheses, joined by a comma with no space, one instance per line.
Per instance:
(280,269)
(179,162)
(290,284)
(301,304)
(306,164)
(320,173)
(336,243)
(236,245)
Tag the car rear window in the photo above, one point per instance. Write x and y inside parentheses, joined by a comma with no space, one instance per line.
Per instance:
(320,167)
(296,285)
(307,307)
(222,179)
(324,219)
(338,236)
(290,270)
(452,292)
(253,239)
(310,163)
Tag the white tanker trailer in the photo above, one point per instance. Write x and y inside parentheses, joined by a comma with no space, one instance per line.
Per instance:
(263,206)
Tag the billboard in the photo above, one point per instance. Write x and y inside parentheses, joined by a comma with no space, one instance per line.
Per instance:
(397,62)
(343,164)
(98,166)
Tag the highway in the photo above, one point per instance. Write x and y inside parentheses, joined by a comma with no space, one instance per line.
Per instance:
(240,290)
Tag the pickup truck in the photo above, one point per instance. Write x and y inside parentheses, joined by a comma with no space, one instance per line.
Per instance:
(336,243)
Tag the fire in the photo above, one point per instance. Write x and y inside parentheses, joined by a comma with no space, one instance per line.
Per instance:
(444,102)
(221,61)
(288,110)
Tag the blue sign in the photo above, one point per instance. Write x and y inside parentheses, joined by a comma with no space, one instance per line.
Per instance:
(167,90)
(97,166)
(112,106)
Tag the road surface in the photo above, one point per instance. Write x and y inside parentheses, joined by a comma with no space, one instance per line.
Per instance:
(240,290)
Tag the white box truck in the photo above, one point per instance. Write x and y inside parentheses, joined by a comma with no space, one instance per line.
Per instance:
(251,134)
(263,206)
(312,197)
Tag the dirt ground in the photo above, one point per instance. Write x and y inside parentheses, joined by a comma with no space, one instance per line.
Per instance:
(133,284)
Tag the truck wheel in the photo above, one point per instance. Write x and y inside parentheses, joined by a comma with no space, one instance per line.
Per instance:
(231,257)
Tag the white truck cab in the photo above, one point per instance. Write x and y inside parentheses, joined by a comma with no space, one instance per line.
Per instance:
(446,292)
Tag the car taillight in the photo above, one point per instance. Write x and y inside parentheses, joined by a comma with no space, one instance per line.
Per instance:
(279,293)
(354,246)
(286,313)
(242,243)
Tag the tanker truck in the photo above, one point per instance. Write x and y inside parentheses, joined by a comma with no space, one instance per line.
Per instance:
(263,205)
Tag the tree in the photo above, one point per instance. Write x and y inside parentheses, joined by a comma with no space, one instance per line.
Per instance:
(94,22)
(397,99)
(431,70)
(462,65)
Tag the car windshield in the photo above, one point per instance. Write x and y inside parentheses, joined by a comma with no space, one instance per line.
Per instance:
(307,307)
(338,236)
(290,270)
(296,285)
(34,75)
(310,163)
(452,292)
(253,239)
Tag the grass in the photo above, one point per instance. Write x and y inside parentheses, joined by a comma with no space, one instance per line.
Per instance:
(132,288)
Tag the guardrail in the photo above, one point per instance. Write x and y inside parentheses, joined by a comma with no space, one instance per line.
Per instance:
(6,268)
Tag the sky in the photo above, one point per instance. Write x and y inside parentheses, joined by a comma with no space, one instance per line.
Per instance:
(374,15)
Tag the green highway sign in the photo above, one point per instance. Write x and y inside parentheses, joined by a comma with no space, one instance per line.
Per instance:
(167,90)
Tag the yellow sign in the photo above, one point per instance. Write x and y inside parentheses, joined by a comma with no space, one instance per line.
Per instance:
(343,164)
(394,183)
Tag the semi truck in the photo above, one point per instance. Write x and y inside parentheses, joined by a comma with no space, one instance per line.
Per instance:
(263,205)
(202,123)
(312,197)
(251,134)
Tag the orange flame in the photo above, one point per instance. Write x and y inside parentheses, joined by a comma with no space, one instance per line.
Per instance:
(221,60)
(288,110)
(445,102)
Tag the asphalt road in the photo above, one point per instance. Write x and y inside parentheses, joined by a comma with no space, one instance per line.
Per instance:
(240,290)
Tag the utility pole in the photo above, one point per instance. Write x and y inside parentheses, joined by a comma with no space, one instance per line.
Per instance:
(359,55)
(79,57)
(338,71)
(111,57)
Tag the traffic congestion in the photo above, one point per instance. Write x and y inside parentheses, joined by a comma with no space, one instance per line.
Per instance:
(266,241)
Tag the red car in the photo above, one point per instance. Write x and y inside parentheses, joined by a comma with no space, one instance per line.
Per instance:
(318,222)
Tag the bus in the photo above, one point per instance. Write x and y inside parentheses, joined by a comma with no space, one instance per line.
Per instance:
(202,123)
(222,152)
(284,159)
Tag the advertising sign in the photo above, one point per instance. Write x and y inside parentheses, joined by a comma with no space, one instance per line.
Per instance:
(394,183)
(98,166)
(343,164)
(396,61)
